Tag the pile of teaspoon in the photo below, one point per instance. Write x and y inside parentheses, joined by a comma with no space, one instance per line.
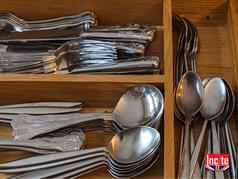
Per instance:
(122,158)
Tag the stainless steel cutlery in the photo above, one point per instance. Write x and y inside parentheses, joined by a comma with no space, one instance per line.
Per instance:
(216,107)
(11,23)
(121,158)
(143,105)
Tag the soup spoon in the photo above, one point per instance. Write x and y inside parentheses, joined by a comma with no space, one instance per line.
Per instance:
(141,105)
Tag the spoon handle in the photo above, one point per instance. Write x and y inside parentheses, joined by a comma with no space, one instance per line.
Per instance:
(181,152)
(44,159)
(82,171)
(186,151)
(197,173)
(52,143)
(231,139)
(43,104)
(215,142)
(53,171)
(210,174)
(27,127)
(5,148)
(7,117)
(197,149)
(216,148)
(231,153)
(39,111)
(53,164)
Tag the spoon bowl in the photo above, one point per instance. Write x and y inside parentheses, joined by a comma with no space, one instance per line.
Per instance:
(189,94)
(214,98)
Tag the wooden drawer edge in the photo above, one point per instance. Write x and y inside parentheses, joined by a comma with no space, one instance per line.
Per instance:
(83,78)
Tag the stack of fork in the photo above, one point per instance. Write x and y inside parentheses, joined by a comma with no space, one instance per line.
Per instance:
(113,49)
(11,23)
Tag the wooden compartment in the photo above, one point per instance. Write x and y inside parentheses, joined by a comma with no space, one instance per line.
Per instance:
(96,97)
(97,92)
(218,29)
(217,25)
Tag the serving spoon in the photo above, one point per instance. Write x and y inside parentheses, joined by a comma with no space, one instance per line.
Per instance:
(141,105)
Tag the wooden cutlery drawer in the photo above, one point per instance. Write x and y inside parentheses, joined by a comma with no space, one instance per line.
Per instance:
(95,96)
(97,92)
(218,56)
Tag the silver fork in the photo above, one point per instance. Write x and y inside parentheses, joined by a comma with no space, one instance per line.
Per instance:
(12,23)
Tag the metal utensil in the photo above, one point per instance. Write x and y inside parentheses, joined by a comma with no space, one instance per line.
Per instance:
(213,104)
(73,140)
(143,105)
(40,108)
(12,23)
(121,155)
(189,95)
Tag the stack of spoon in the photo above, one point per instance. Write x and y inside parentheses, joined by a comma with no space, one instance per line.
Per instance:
(188,90)
(122,158)
(218,106)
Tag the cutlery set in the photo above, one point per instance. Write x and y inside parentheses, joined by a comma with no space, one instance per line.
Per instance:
(60,134)
(135,104)
(56,130)
(96,49)
(121,158)
(211,99)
